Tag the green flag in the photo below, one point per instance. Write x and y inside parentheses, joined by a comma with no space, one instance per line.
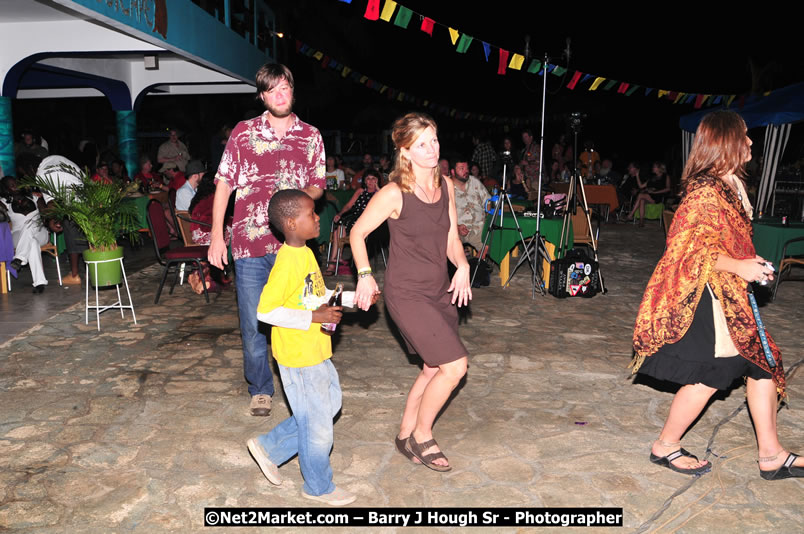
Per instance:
(463,43)
(403,17)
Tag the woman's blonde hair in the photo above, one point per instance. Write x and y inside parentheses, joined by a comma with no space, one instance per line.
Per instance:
(719,147)
(405,131)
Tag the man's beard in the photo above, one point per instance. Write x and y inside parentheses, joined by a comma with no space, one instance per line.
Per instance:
(281,113)
(462,180)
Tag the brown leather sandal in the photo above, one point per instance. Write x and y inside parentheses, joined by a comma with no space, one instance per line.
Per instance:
(417,449)
(400,446)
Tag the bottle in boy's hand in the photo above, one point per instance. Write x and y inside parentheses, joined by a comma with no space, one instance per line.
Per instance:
(334,300)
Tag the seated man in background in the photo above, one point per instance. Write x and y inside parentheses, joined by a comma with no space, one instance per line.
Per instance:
(470,202)
(118,171)
(608,174)
(175,177)
(102,173)
(27,231)
(357,179)
(184,195)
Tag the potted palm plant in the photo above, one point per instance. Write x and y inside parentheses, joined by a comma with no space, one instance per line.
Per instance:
(101,213)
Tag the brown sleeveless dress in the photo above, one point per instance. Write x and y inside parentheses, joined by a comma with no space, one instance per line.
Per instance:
(416,280)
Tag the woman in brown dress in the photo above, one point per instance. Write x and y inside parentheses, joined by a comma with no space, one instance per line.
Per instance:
(419,205)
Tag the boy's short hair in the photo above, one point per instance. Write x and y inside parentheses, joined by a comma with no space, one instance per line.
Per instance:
(285,205)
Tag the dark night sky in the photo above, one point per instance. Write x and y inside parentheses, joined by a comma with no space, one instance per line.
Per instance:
(663,46)
(670,52)
(670,49)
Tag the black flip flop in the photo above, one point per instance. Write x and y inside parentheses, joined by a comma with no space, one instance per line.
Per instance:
(665,461)
(786,470)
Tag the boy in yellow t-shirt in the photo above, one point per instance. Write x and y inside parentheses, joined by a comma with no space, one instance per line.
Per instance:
(295,301)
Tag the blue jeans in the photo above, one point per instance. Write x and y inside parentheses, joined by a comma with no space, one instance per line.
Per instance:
(314,394)
(251,275)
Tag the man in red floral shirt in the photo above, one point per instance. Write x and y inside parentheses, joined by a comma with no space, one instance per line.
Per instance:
(265,154)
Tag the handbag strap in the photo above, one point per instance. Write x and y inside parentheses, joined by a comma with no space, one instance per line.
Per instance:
(763,338)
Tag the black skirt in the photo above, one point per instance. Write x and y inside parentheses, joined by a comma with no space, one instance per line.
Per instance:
(692,359)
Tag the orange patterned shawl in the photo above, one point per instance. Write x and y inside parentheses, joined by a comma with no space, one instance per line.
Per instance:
(710,221)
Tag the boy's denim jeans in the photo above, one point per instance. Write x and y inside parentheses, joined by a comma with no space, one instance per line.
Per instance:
(314,394)
(250,278)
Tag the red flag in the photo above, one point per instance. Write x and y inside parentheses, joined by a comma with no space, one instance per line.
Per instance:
(623,88)
(427,25)
(503,61)
(373,10)
(574,81)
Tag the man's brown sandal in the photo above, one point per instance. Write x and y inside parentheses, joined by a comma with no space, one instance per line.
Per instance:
(417,449)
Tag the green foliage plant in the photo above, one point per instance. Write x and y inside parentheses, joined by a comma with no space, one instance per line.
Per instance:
(97,208)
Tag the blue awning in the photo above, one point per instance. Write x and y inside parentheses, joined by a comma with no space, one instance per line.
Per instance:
(782,106)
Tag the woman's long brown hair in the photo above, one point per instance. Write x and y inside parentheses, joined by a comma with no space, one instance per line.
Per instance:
(719,147)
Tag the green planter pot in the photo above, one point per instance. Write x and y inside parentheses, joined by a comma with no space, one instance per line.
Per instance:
(109,274)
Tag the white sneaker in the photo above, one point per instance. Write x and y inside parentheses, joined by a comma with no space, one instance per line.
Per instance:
(339,497)
(268,468)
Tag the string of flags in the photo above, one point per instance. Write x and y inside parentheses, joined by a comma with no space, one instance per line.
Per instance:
(391,93)
(386,10)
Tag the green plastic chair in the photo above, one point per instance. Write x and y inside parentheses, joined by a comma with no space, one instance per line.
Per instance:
(652,211)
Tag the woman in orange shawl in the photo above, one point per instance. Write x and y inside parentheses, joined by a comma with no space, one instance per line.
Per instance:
(710,254)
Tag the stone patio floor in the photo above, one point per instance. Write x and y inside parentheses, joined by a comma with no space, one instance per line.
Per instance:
(137,428)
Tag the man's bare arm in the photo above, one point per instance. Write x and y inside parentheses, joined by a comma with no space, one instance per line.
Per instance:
(218,254)
(314,192)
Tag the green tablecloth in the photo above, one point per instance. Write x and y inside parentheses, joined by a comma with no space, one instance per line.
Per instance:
(326,213)
(342,196)
(142,209)
(505,239)
(327,210)
(770,237)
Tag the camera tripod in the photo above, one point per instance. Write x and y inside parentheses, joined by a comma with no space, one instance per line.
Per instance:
(503,199)
(576,183)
